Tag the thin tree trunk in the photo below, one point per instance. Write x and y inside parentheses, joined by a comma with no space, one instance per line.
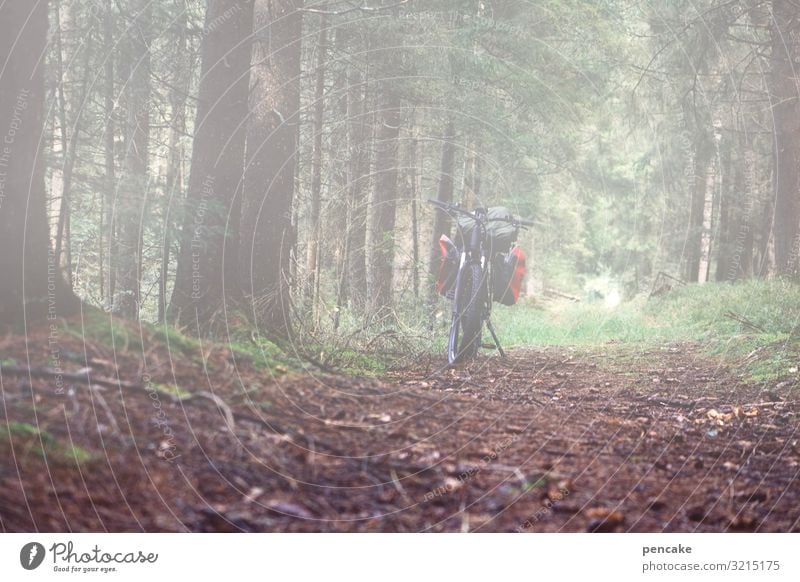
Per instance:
(360,149)
(312,247)
(413,196)
(704,261)
(107,230)
(441,221)
(340,203)
(174,176)
(694,234)
(66,177)
(728,255)
(468,197)
(384,204)
(133,190)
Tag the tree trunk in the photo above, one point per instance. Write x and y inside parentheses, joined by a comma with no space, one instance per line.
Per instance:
(107,230)
(694,235)
(31,287)
(174,184)
(132,193)
(704,261)
(384,203)
(312,248)
(728,255)
(468,194)
(66,150)
(413,195)
(270,164)
(441,221)
(359,162)
(340,203)
(784,89)
(207,271)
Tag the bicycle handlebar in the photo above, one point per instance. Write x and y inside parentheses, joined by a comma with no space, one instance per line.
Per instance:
(450,207)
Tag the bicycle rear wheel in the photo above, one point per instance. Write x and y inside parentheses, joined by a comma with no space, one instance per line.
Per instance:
(467,323)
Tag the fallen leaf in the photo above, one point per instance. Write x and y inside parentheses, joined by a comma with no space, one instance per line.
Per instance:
(742,523)
(720,417)
(253,494)
(559,491)
(603,520)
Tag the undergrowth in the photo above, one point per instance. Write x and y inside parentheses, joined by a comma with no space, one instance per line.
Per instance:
(23,439)
(752,325)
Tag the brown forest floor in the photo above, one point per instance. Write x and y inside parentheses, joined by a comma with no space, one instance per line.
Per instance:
(547,440)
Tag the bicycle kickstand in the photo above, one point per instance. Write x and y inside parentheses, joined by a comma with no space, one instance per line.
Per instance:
(494,337)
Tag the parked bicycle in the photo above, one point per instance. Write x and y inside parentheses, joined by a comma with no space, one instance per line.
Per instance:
(483,265)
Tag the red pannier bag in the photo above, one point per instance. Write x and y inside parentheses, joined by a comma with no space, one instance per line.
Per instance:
(509,273)
(448,267)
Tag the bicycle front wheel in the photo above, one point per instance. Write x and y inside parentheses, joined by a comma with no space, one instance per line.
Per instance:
(467,323)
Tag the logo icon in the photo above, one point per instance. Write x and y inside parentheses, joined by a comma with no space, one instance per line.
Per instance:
(31,555)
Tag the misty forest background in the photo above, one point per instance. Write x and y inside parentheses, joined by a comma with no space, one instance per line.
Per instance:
(267,162)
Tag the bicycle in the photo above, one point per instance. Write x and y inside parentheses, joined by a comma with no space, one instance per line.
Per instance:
(473,285)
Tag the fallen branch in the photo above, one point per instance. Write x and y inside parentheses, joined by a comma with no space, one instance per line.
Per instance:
(82,376)
(226,410)
(85,377)
(744,321)
(561,295)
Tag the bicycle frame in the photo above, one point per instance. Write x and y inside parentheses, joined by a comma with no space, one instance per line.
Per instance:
(476,253)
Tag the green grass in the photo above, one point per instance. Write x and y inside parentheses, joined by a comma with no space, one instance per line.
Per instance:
(767,347)
(30,440)
(565,324)
(264,355)
(103,328)
(175,340)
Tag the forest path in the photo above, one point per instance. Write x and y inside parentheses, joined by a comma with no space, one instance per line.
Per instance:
(549,439)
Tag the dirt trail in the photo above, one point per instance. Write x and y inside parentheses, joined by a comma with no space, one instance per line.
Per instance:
(546,440)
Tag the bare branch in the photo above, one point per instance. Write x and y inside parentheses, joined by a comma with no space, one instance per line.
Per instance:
(360,8)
